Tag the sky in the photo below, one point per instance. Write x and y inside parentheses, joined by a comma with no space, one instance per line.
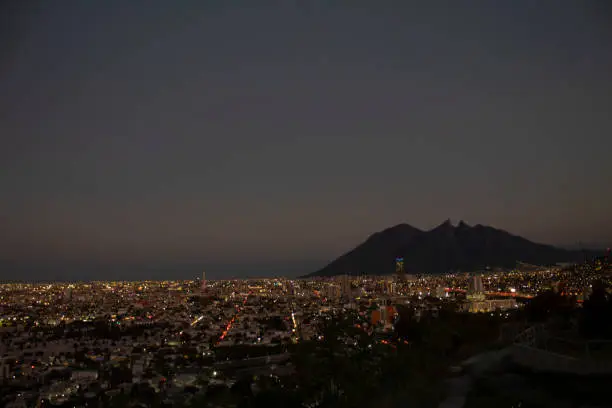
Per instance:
(162,138)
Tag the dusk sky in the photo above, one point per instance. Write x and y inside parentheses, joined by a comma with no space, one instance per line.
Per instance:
(162,138)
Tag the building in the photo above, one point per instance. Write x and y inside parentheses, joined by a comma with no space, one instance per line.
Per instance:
(375,317)
(384,316)
(203,283)
(475,288)
(84,376)
(488,305)
(345,286)
(332,291)
(399,268)
(475,285)
(388,286)
(68,294)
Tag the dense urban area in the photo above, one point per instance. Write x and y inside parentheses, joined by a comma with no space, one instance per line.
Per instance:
(341,341)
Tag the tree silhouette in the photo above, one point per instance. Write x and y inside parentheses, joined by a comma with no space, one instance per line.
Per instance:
(406,326)
(596,316)
(549,304)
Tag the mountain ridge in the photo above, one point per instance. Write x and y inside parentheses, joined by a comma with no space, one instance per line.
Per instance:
(445,248)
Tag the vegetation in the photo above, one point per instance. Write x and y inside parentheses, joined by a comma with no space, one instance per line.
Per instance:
(348,368)
(596,319)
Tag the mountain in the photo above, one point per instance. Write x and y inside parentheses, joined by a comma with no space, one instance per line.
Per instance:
(444,248)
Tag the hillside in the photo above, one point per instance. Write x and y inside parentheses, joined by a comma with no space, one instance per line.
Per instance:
(443,249)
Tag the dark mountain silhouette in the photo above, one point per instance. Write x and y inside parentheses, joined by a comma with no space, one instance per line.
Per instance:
(443,249)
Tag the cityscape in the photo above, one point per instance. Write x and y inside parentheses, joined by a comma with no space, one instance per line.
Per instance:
(236,342)
(305,204)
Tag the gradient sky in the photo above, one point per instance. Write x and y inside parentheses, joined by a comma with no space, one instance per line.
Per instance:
(176,136)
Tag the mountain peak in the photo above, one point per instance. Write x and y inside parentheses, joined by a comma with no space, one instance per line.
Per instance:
(446,225)
(399,230)
(442,249)
(401,227)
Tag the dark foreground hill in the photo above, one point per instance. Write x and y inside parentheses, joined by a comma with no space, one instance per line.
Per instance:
(443,249)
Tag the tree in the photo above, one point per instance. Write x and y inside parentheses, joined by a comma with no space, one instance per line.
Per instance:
(549,304)
(406,327)
(597,313)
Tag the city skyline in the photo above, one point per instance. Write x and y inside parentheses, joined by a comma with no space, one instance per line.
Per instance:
(66,271)
(241,139)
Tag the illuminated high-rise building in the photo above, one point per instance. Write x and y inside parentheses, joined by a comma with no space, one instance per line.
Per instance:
(399,268)
(475,287)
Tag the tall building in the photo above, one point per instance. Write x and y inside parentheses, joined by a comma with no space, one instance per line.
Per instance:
(475,287)
(399,268)
(203,283)
(345,285)
(390,287)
